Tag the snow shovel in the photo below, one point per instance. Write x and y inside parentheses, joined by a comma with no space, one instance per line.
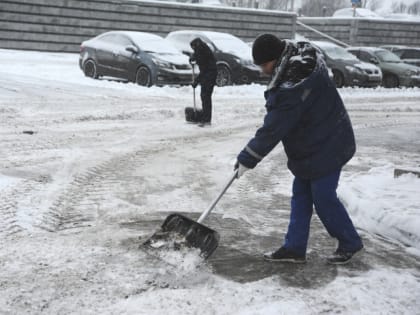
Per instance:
(178,231)
(192,114)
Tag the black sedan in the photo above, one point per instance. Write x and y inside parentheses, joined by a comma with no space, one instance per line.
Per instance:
(143,58)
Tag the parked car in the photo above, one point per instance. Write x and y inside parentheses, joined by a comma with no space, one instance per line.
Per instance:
(407,54)
(346,68)
(395,71)
(143,58)
(360,13)
(233,56)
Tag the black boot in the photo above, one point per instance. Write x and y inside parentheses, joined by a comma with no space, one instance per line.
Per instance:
(341,257)
(204,124)
(285,255)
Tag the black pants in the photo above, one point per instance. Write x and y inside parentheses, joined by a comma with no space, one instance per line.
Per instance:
(206,92)
(208,81)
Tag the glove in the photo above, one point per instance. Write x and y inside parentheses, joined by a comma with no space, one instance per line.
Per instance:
(241,169)
(194,84)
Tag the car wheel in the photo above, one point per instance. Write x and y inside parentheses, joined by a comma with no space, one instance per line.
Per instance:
(390,81)
(246,79)
(144,76)
(89,69)
(338,78)
(224,76)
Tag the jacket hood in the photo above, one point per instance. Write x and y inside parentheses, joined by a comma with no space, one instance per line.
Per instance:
(302,68)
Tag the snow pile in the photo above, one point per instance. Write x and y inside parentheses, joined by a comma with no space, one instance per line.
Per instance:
(382,204)
(344,295)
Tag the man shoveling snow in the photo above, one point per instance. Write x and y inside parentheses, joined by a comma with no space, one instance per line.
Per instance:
(306,113)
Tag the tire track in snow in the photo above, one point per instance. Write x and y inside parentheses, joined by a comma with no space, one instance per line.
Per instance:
(79,205)
(13,202)
(83,204)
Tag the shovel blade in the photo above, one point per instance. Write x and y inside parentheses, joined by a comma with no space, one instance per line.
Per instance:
(182,230)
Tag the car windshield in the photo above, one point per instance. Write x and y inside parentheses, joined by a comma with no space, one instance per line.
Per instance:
(336,52)
(230,44)
(387,56)
(155,45)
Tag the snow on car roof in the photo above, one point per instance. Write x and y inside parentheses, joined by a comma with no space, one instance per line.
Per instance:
(324,43)
(367,48)
(149,42)
(137,35)
(209,34)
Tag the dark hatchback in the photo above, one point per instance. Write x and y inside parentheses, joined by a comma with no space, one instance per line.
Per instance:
(233,56)
(395,72)
(347,69)
(409,55)
(143,58)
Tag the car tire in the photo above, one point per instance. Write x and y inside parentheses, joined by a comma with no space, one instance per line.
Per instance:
(90,69)
(390,81)
(246,79)
(338,78)
(224,76)
(144,76)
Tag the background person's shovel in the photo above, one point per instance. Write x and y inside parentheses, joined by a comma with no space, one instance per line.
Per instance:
(178,231)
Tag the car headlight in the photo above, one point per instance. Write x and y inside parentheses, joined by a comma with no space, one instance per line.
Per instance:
(410,72)
(354,70)
(162,63)
(244,62)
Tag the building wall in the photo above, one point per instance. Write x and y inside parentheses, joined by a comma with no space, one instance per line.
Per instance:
(61,25)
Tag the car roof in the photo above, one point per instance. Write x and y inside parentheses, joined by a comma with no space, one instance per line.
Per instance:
(209,34)
(321,43)
(138,35)
(394,46)
(367,48)
(407,48)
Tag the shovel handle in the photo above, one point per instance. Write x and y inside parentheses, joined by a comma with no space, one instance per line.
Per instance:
(214,203)
(193,79)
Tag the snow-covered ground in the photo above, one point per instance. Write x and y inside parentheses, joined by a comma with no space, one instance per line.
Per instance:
(107,161)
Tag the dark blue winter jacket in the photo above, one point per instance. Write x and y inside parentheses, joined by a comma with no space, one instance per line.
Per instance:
(311,121)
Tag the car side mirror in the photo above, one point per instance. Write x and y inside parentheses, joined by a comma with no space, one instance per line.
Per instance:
(374,60)
(132,49)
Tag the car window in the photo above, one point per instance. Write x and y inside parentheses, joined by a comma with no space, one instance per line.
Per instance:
(365,56)
(122,40)
(387,56)
(399,53)
(186,39)
(411,54)
(354,52)
(336,52)
(154,45)
(109,38)
(230,44)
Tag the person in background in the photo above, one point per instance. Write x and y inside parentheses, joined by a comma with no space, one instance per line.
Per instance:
(206,62)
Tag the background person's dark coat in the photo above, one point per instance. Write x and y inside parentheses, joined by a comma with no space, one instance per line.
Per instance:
(206,62)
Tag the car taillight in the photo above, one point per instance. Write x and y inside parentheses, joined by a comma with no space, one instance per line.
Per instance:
(81,48)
